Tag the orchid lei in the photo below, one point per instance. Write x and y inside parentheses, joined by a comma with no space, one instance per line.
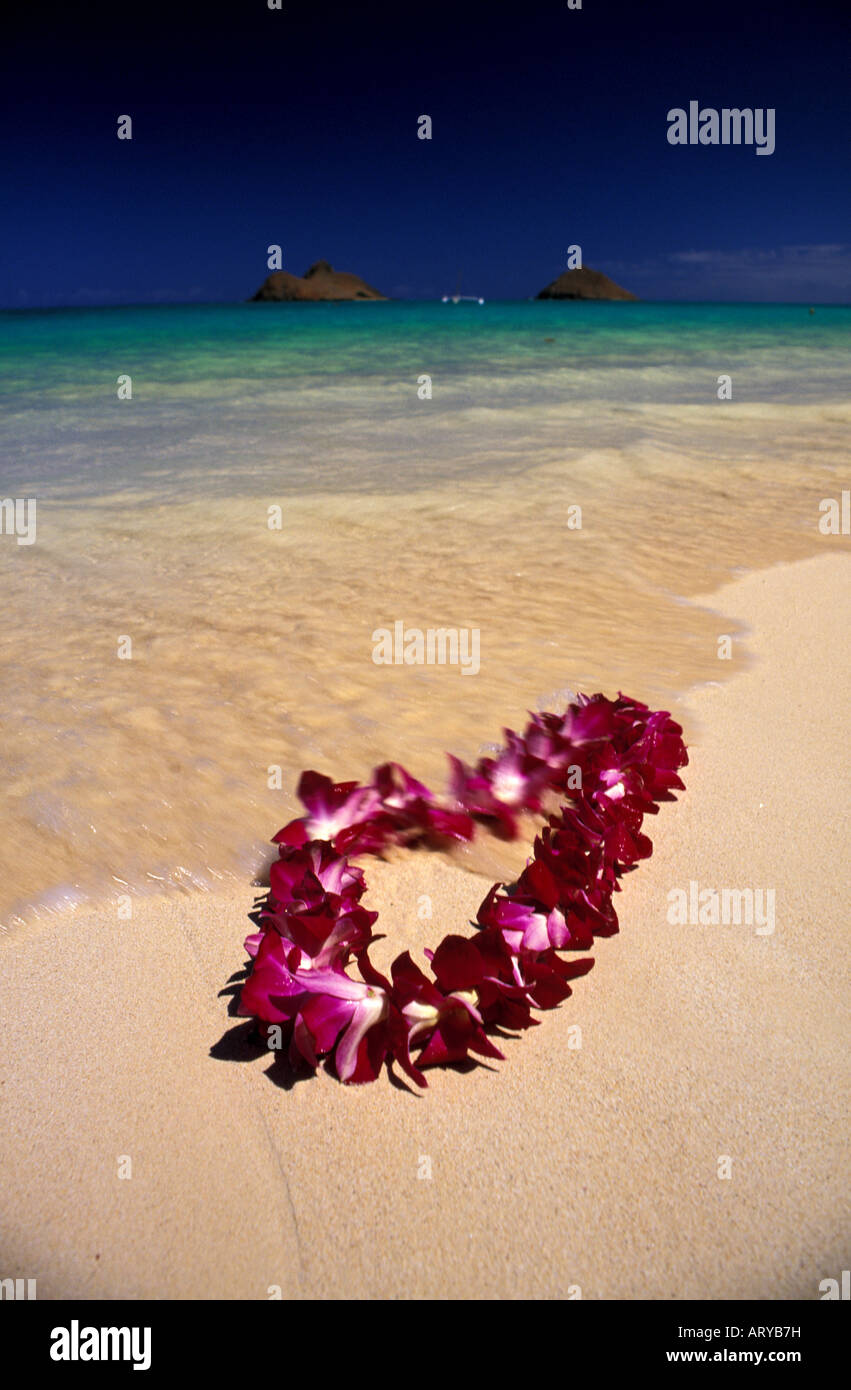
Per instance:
(613,760)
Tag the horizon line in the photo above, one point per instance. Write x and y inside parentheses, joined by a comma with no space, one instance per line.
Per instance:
(412,299)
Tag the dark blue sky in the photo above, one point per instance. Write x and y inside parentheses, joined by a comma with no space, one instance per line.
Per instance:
(299,127)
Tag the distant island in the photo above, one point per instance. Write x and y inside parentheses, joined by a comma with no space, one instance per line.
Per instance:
(584,284)
(321,281)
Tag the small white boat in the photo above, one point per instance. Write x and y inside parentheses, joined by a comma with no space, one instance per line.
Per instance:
(457,297)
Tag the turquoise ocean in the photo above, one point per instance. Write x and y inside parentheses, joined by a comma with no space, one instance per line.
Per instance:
(235,398)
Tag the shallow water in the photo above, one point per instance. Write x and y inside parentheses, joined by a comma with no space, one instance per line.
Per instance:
(251,648)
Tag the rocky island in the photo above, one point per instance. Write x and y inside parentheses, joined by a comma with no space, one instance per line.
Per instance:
(584,284)
(321,281)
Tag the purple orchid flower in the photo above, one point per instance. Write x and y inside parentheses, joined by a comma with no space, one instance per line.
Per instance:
(443,1019)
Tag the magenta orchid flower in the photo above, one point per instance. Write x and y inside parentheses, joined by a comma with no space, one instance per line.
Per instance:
(412,808)
(339,1015)
(443,1020)
(523,926)
(501,788)
(333,807)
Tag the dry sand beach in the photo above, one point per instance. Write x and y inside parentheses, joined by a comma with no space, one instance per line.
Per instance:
(561,1169)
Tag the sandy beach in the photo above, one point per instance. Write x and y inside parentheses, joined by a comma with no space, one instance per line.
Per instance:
(563,1171)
